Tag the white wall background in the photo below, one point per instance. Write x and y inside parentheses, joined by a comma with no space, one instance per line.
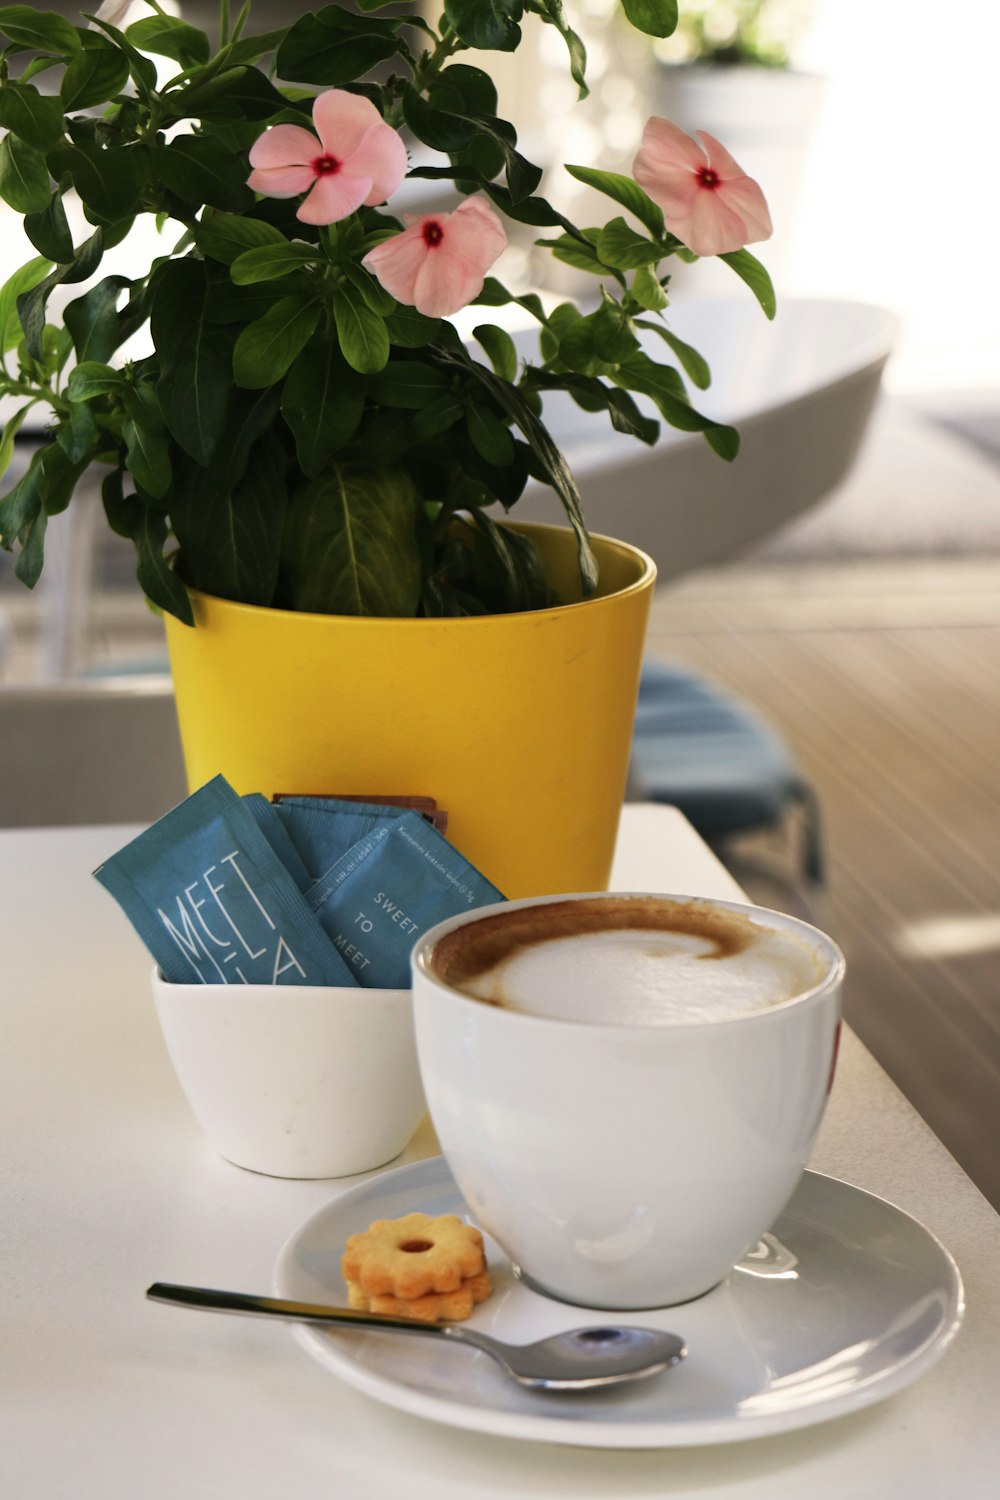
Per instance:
(901,206)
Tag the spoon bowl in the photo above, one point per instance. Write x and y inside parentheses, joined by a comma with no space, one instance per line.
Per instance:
(574,1360)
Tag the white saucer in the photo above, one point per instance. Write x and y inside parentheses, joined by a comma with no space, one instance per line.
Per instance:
(845,1303)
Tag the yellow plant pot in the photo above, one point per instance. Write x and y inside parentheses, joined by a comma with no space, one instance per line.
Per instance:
(518,725)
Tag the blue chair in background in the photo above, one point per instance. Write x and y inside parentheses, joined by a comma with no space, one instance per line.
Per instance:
(709,754)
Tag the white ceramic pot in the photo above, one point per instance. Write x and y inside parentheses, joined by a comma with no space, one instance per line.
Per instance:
(295,1080)
(626,1166)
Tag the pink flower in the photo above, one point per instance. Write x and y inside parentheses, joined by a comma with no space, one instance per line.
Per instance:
(708,201)
(356,159)
(439,263)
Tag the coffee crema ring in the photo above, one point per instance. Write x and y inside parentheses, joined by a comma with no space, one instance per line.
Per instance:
(475,948)
(413,1257)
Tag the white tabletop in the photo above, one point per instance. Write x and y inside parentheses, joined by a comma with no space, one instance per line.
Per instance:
(108,1184)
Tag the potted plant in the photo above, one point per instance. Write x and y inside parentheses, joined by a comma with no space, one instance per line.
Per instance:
(305,453)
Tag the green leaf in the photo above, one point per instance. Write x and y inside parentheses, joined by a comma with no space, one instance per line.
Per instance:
(23,280)
(202,170)
(490,438)
(691,362)
(654,17)
(146,441)
(231,540)
(92,378)
(648,291)
(333,47)
(322,401)
(473,86)
(96,74)
(36,118)
(10,432)
(602,338)
(642,374)
(141,69)
(24,177)
(156,577)
(452,131)
(593,395)
(438,128)
(266,350)
(237,94)
(49,232)
(580,254)
(620,246)
(368,289)
(411,330)
(195,362)
(489,24)
(238,304)
(78,433)
(31,304)
(169,37)
(626,192)
(60,474)
(750,270)
(495,294)
(550,460)
(251,48)
(552,11)
(509,573)
(224,237)
(23,520)
(537,211)
(86,258)
(108,179)
(94,321)
(362,334)
(501,349)
(350,544)
(408,383)
(438,416)
(271,261)
(42,30)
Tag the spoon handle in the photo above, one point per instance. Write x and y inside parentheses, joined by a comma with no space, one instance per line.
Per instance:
(212,1300)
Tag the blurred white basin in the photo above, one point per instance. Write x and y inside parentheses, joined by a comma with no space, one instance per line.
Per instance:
(800,390)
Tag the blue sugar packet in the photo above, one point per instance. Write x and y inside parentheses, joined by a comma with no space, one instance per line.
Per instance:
(391,886)
(324,828)
(265,815)
(212,901)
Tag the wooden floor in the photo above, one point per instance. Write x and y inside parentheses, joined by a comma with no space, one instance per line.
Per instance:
(885,680)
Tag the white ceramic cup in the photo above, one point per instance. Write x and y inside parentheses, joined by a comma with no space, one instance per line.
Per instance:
(295,1080)
(626,1166)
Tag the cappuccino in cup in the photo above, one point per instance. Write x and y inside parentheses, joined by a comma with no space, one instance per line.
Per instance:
(627,961)
(626,1088)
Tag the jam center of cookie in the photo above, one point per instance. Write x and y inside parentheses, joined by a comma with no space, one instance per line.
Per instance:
(414,1247)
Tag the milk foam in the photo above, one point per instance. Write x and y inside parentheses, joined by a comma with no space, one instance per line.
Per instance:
(648,978)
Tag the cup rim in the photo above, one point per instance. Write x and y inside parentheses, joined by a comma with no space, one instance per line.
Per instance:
(784,921)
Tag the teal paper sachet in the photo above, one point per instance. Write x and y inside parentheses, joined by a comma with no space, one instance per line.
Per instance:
(212,901)
(388,889)
(324,828)
(265,815)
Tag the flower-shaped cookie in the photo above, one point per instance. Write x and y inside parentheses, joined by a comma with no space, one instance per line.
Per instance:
(413,1256)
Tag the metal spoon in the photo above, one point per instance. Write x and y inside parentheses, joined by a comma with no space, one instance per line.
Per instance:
(578,1359)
